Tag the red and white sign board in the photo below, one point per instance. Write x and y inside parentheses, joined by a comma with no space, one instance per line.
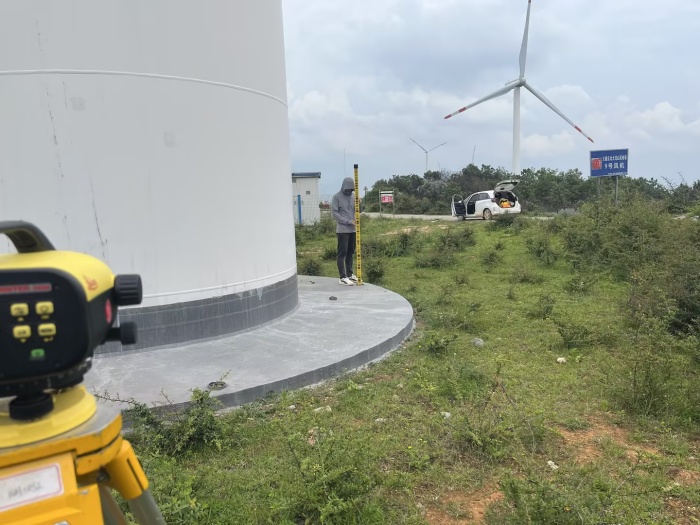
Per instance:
(386,197)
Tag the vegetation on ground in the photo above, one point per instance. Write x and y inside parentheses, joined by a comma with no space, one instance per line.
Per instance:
(552,378)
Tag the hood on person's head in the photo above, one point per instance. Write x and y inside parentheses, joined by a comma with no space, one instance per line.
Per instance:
(348,186)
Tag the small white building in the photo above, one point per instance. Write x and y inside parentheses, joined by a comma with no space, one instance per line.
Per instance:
(306,203)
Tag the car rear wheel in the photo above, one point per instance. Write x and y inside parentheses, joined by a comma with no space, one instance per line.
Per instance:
(487,215)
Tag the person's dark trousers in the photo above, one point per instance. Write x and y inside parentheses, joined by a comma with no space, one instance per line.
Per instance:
(346,249)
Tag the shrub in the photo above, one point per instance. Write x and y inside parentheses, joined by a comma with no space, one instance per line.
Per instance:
(435,259)
(461,383)
(466,237)
(502,222)
(299,237)
(580,284)
(323,227)
(524,275)
(436,345)
(491,259)
(373,269)
(575,335)
(544,307)
(582,496)
(669,291)
(310,266)
(174,431)
(337,480)
(496,429)
(330,252)
(445,295)
(455,239)
(406,242)
(619,238)
(521,223)
(454,319)
(539,244)
(657,377)
(373,247)
(448,241)
(461,279)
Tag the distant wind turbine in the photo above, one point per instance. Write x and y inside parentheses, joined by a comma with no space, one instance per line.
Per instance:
(515,85)
(427,151)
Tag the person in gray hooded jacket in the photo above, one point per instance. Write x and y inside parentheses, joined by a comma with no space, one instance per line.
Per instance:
(343,209)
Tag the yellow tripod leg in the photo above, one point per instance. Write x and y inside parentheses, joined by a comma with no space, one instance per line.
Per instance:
(128,478)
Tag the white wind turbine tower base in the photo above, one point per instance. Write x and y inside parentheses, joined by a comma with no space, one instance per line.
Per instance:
(515,85)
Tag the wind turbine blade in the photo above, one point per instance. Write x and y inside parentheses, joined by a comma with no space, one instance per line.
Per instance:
(421,147)
(436,147)
(523,48)
(495,94)
(554,108)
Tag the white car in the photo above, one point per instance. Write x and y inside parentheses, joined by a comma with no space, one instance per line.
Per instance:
(486,204)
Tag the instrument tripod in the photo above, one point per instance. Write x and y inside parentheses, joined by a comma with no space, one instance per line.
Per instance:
(59,469)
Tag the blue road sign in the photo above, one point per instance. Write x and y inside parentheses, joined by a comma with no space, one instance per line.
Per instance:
(609,163)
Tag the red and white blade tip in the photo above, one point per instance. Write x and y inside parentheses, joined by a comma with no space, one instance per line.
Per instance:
(582,133)
(456,112)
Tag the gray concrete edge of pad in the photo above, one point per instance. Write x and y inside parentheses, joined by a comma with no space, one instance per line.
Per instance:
(174,325)
(312,377)
(203,340)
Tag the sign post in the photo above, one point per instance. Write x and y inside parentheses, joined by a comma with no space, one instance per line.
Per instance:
(386,197)
(609,163)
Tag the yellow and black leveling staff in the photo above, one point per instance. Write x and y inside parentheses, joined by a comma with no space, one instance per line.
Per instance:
(60,453)
(358,243)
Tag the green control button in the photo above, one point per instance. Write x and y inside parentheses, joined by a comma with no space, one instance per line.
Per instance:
(37,354)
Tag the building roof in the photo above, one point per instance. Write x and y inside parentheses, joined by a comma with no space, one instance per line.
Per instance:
(307,174)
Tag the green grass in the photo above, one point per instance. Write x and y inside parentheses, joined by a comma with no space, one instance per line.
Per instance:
(411,439)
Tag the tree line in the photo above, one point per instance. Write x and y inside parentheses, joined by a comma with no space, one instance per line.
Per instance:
(542,190)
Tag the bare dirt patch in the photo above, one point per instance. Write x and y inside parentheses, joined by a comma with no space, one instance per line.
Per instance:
(682,511)
(459,508)
(587,443)
(419,229)
(684,477)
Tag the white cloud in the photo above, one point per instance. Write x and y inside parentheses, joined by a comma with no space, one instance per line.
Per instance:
(662,118)
(567,95)
(538,146)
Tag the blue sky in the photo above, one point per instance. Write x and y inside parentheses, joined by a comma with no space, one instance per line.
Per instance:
(364,77)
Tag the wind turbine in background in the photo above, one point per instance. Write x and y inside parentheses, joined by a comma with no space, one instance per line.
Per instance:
(515,85)
(427,151)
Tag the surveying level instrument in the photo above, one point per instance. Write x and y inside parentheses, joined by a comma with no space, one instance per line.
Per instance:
(61,453)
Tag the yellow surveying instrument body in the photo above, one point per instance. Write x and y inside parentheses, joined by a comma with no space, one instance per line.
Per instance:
(61,452)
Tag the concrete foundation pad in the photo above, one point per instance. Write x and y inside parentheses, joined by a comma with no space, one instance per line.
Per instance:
(335,329)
